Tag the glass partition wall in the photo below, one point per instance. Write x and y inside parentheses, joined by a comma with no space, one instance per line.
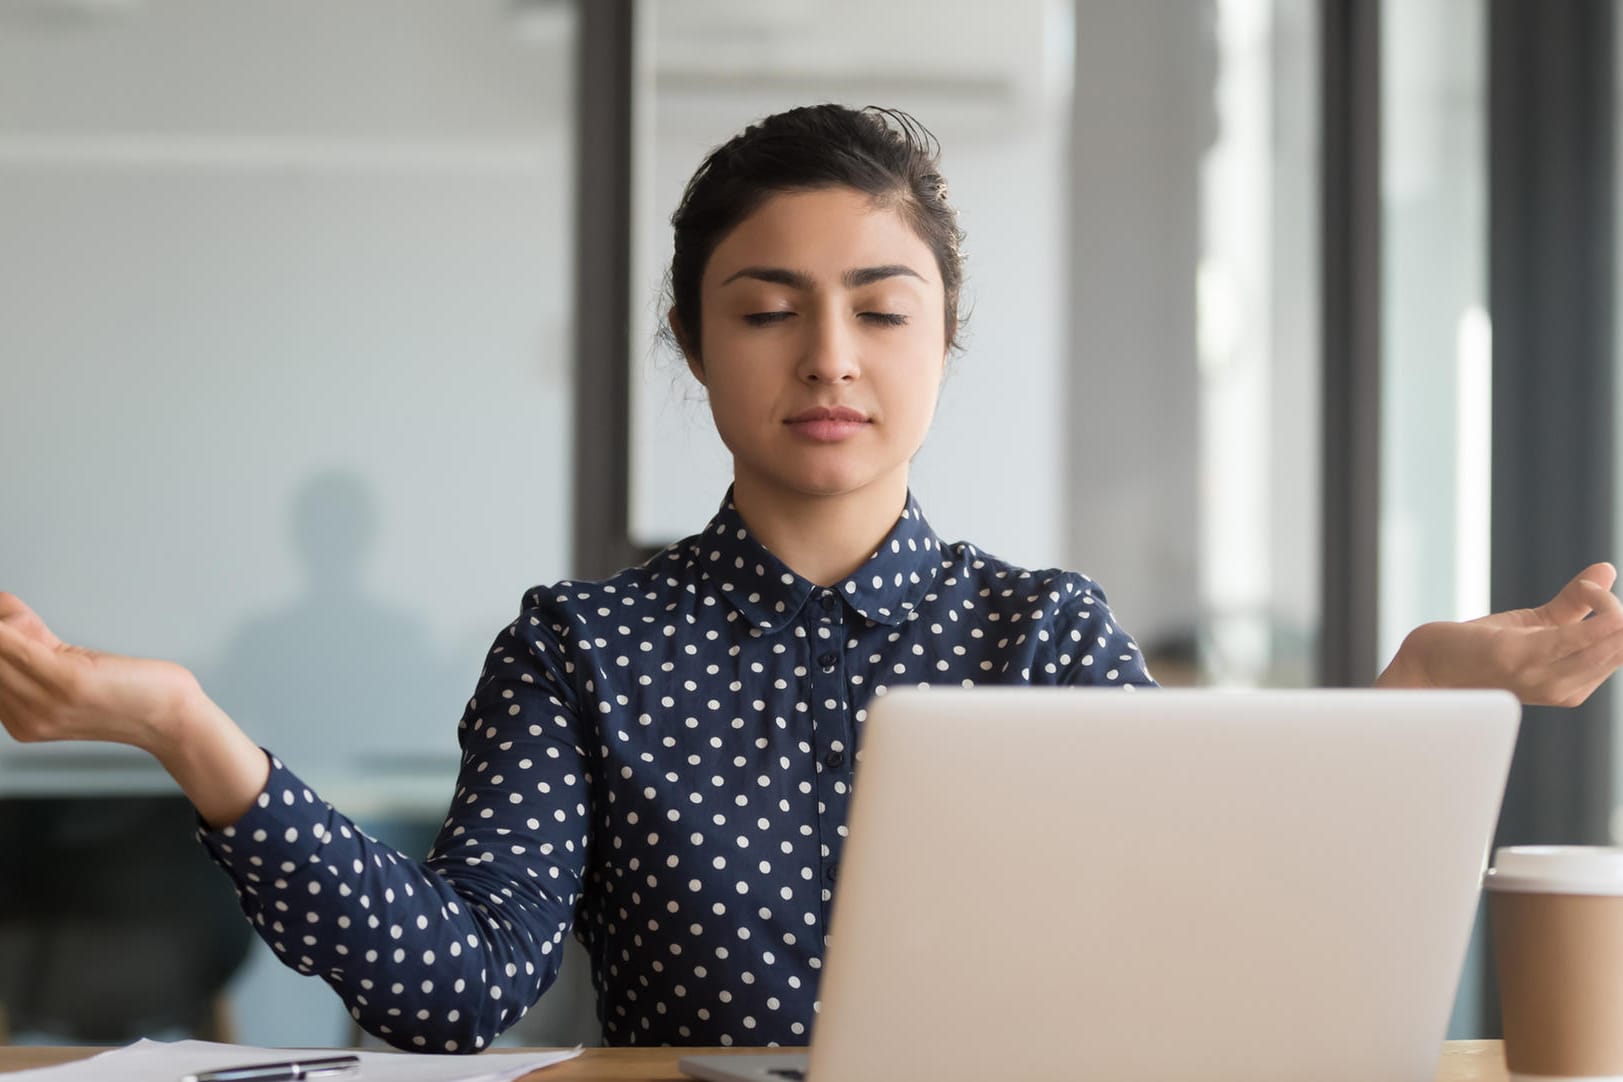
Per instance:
(287,303)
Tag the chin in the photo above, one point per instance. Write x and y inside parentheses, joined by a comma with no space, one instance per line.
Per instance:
(826,479)
(826,486)
(824,489)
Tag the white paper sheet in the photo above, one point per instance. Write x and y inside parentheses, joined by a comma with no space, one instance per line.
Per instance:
(167,1061)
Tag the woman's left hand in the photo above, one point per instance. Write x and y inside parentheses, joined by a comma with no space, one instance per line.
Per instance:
(1554,655)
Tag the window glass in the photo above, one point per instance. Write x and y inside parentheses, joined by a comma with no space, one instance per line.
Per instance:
(1436,359)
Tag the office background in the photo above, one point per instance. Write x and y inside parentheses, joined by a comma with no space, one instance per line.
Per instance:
(331,327)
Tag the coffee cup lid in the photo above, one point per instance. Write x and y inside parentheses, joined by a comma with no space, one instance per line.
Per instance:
(1557,869)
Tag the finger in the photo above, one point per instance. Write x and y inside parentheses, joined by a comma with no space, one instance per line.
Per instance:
(1573,602)
(1599,597)
(22,661)
(1603,573)
(1588,592)
(13,649)
(1546,646)
(1579,697)
(1535,662)
(22,694)
(14,611)
(1572,679)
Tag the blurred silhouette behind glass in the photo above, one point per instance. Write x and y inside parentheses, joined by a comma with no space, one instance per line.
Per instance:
(338,668)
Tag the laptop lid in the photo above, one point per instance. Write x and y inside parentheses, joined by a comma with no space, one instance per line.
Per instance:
(1067,883)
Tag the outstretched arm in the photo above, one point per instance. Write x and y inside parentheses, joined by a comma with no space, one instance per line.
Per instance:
(50,690)
(1554,655)
(441,956)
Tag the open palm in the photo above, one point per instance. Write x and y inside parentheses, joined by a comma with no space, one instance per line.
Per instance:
(52,690)
(1552,655)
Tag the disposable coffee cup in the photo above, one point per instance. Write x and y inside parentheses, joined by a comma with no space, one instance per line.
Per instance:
(1557,916)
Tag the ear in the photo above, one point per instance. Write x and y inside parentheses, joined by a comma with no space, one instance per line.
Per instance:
(689,352)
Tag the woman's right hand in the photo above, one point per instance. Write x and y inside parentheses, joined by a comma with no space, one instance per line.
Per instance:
(51,690)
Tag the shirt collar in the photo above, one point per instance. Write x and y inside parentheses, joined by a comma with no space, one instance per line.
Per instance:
(885,589)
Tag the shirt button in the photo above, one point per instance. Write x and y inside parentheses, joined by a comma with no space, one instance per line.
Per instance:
(829,601)
(834,758)
(828,660)
(832,869)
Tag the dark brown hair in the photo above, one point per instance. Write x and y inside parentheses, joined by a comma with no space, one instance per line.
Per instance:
(882,152)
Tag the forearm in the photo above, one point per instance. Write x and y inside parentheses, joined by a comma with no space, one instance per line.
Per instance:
(221,771)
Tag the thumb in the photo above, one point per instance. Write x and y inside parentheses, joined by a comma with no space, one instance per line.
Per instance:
(1576,599)
(1602,574)
(16,613)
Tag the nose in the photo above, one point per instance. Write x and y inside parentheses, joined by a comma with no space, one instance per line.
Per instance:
(829,354)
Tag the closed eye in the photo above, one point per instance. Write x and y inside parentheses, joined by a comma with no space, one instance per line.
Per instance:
(883,319)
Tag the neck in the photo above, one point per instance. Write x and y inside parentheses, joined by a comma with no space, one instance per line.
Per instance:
(821,538)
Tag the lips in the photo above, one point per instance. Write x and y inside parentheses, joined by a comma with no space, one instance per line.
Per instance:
(829,413)
(827,424)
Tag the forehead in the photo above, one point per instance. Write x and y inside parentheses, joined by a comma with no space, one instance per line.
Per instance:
(824,233)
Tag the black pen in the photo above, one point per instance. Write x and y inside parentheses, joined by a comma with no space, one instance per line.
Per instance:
(287,1071)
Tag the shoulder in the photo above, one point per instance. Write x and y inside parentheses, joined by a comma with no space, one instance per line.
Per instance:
(1074,635)
(560,625)
(627,595)
(1007,585)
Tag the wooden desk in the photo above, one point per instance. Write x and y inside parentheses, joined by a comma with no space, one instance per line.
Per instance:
(1462,1061)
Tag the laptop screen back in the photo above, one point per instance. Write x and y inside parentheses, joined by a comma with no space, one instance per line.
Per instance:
(1071,883)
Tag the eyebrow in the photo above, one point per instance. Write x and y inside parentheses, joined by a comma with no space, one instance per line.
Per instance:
(851,279)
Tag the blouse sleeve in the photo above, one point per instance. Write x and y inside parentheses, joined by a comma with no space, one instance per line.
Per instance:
(441,955)
(1090,647)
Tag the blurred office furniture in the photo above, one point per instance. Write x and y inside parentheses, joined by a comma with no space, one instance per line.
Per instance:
(113,923)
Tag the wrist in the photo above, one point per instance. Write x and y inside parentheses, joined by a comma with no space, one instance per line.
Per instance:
(173,716)
(216,765)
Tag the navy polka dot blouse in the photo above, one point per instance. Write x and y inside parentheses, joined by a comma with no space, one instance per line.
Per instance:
(661,763)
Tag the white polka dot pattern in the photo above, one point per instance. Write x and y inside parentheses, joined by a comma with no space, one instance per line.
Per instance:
(661,763)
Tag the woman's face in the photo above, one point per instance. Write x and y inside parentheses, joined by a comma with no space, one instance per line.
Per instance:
(822,344)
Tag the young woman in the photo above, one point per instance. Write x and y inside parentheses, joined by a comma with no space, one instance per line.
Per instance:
(662,762)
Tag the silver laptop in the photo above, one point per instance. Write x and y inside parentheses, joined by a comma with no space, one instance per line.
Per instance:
(1096,884)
